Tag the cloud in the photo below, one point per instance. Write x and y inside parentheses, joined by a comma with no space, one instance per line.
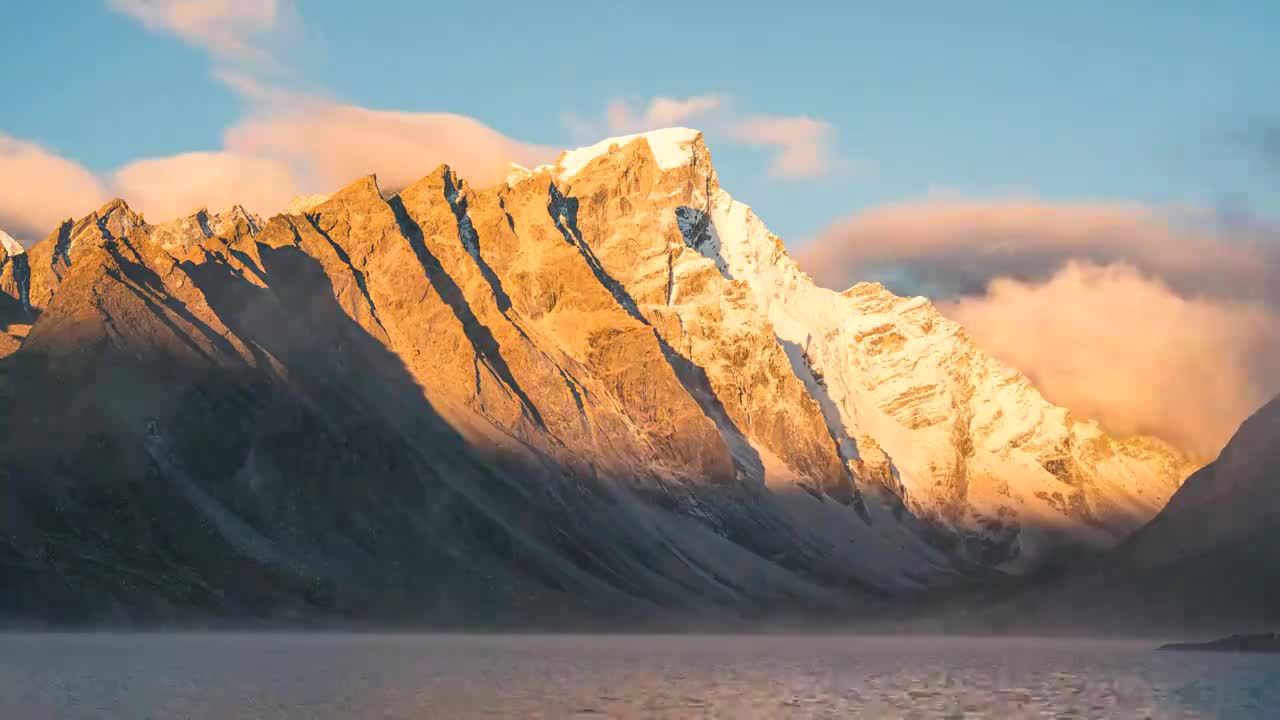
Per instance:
(328,144)
(1148,320)
(217,180)
(804,147)
(227,28)
(623,117)
(1114,344)
(293,145)
(947,247)
(39,189)
(247,86)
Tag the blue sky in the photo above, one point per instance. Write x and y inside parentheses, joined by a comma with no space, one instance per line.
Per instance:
(1088,101)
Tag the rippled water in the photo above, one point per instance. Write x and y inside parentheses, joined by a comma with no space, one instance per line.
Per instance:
(226,676)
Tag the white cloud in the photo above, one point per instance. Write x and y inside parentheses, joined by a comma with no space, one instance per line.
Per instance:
(327,144)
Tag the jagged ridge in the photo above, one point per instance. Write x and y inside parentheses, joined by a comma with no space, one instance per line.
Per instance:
(600,383)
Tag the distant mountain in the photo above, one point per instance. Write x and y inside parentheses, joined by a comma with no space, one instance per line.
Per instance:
(1207,564)
(600,389)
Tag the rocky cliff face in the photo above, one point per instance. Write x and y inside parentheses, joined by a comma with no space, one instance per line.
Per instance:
(601,386)
(15,301)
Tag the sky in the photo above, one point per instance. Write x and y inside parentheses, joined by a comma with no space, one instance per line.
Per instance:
(1091,188)
(1128,101)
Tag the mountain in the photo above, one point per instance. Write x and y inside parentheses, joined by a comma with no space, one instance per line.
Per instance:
(600,389)
(1209,562)
(15,307)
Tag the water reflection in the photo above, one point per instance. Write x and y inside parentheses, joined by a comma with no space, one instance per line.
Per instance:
(541,676)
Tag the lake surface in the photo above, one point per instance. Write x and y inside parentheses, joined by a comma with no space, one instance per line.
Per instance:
(319,676)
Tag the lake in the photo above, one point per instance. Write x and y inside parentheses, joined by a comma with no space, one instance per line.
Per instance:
(324,676)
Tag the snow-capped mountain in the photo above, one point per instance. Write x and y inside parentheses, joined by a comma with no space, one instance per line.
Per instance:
(914,405)
(601,384)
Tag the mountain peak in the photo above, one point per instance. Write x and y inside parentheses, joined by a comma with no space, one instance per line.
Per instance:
(673,147)
(364,187)
(117,218)
(113,205)
(238,214)
(11,246)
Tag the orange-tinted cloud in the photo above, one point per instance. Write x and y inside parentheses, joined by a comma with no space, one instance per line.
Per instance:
(39,189)
(1114,344)
(953,247)
(169,187)
(306,145)
(292,143)
(327,144)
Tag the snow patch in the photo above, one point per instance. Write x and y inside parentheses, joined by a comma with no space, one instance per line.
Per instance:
(518,172)
(11,246)
(669,145)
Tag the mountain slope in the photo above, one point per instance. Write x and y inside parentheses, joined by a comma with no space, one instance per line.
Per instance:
(599,389)
(1210,560)
(1225,501)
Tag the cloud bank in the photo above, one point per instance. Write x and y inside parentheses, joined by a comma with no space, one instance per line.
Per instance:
(327,144)
(1114,344)
(1158,322)
(217,180)
(39,188)
(283,149)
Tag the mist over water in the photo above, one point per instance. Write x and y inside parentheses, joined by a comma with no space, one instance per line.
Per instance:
(326,676)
